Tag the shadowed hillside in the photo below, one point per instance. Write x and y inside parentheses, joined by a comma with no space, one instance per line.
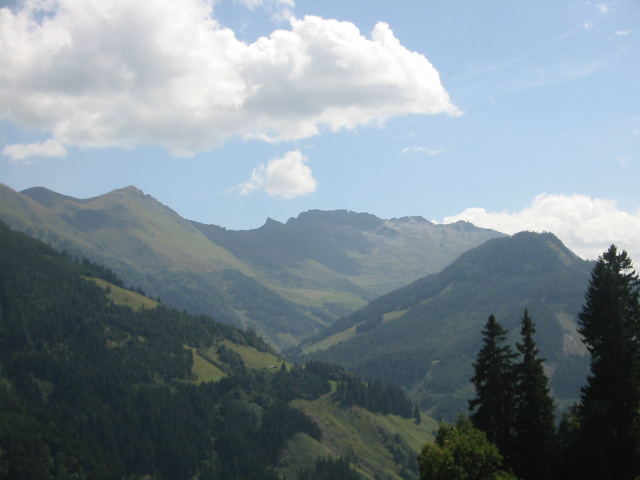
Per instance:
(426,335)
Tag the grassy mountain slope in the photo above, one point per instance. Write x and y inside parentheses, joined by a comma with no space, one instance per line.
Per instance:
(150,245)
(286,281)
(143,232)
(96,383)
(378,445)
(28,216)
(426,335)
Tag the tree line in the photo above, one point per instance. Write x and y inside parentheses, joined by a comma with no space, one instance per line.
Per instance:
(511,431)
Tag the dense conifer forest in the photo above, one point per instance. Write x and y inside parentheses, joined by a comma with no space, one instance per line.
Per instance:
(91,389)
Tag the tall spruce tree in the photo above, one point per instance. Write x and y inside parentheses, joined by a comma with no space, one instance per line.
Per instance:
(493,409)
(534,417)
(609,411)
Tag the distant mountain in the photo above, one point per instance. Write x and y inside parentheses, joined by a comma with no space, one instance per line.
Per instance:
(344,250)
(427,334)
(286,281)
(97,381)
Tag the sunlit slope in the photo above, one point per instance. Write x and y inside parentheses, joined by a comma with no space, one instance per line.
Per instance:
(27,215)
(139,230)
(368,438)
(125,297)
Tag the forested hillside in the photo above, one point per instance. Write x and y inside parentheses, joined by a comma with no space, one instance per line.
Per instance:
(512,431)
(96,384)
(425,335)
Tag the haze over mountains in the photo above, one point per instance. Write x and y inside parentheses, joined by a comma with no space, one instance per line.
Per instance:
(286,281)
(305,285)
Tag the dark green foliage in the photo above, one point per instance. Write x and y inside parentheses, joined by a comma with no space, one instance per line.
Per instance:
(493,409)
(299,383)
(230,357)
(329,468)
(92,390)
(461,452)
(568,377)
(387,399)
(513,403)
(327,370)
(416,414)
(608,436)
(535,434)
(403,455)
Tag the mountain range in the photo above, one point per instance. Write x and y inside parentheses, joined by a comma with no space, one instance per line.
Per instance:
(426,335)
(287,280)
(401,300)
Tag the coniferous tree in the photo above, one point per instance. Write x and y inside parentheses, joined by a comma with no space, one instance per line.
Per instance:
(534,417)
(493,408)
(609,411)
(416,415)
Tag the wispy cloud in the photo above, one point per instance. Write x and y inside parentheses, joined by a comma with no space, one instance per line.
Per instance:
(285,177)
(25,152)
(116,72)
(586,225)
(622,33)
(623,160)
(428,150)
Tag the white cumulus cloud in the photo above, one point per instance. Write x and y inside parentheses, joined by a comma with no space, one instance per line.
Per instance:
(116,72)
(586,225)
(286,177)
(24,151)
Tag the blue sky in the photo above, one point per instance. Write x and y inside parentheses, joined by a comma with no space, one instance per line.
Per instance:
(512,115)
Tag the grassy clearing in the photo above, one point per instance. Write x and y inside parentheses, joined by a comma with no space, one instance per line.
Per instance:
(204,370)
(388,317)
(204,362)
(122,296)
(332,340)
(252,358)
(317,298)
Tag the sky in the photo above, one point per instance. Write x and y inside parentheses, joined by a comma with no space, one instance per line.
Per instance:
(511,115)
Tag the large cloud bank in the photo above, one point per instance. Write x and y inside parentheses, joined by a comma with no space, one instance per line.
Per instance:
(586,225)
(117,72)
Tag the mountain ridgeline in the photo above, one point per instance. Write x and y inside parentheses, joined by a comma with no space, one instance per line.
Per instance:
(425,335)
(287,280)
